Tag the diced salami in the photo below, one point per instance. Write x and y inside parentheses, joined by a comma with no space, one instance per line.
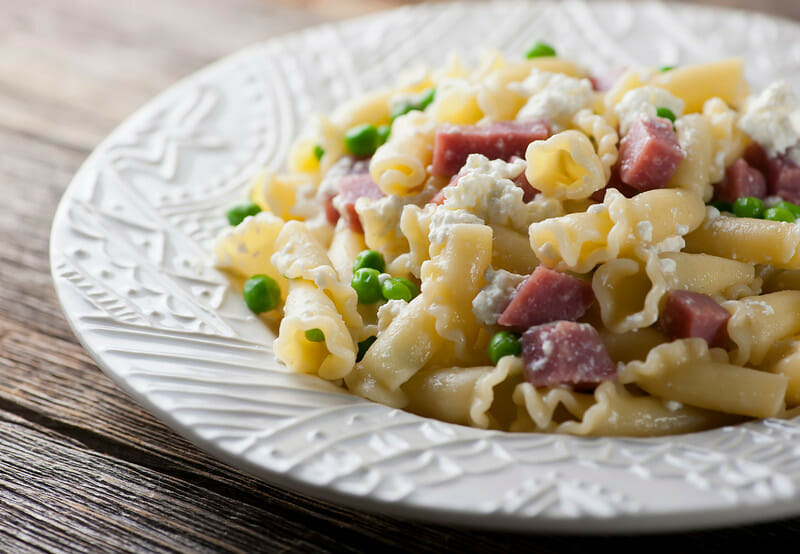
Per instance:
(615,183)
(344,183)
(331,213)
(351,188)
(649,154)
(566,353)
(605,81)
(740,180)
(692,314)
(528,190)
(545,296)
(498,140)
(782,174)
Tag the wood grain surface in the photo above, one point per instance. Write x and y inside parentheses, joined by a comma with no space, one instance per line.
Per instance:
(83,468)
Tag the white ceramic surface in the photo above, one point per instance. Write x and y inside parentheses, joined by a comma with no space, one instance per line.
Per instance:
(131,264)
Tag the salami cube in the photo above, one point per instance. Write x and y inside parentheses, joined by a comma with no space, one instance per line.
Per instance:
(545,296)
(528,190)
(649,154)
(692,314)
(566,353)
(784,178)
(614,183)
(605,81)
(351,188)
(740,180)
(781,172)
(498,140)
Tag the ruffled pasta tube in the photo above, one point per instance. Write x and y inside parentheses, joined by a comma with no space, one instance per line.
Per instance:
(758,322)
(686,371)
(399,165)
(757,241)
(610,411)
(629,291)
(289,196)
(309,308)
(565,166)
(298,255)
(784,359)
(466,395)
(403,348)
(654,219)
(721,278)
(373,107)
(604,135)
(452,278)
(729,142)
(694,170)
(498,97)
(695,84)
(245,250)
(617,412)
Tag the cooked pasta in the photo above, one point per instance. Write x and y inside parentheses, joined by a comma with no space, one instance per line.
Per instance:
(518,247)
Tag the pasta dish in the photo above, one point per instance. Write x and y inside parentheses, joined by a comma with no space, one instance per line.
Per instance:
(526,245)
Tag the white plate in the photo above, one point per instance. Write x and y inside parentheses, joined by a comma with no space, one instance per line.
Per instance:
(130,259)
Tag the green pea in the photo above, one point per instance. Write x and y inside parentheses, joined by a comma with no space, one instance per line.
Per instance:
(540,49)
(748,206)
(369,258)
(722,206)
(319,151)
(362,140)
(238,213)
(411,285)
(366,282)
(383,133)
(666,113)
(779,214)
(427,98)
(363,346)
(261,293)
(665,68)
(402,108)
(794,208)
(315,335)
(396,289)
(504,343)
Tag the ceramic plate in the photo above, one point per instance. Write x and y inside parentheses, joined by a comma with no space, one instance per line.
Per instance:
(130,259)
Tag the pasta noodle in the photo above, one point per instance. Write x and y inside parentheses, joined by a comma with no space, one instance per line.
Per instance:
(512,247)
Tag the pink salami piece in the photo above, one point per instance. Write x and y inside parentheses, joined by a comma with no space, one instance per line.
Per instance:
(605,81)
(529,192)
(566,353)
(649,154)
(692,314)
(348,180)
(781,172)
(614,183)
(545,296)
(740,180)
(501,139)
(351,188)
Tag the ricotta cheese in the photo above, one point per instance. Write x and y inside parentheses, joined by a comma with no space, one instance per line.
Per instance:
(554,97)
(492,299)
(645,101)
(768,119)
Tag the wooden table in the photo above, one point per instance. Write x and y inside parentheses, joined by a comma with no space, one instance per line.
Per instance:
(83,468)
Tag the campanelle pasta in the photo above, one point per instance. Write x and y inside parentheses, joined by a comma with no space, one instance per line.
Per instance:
(524,248)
